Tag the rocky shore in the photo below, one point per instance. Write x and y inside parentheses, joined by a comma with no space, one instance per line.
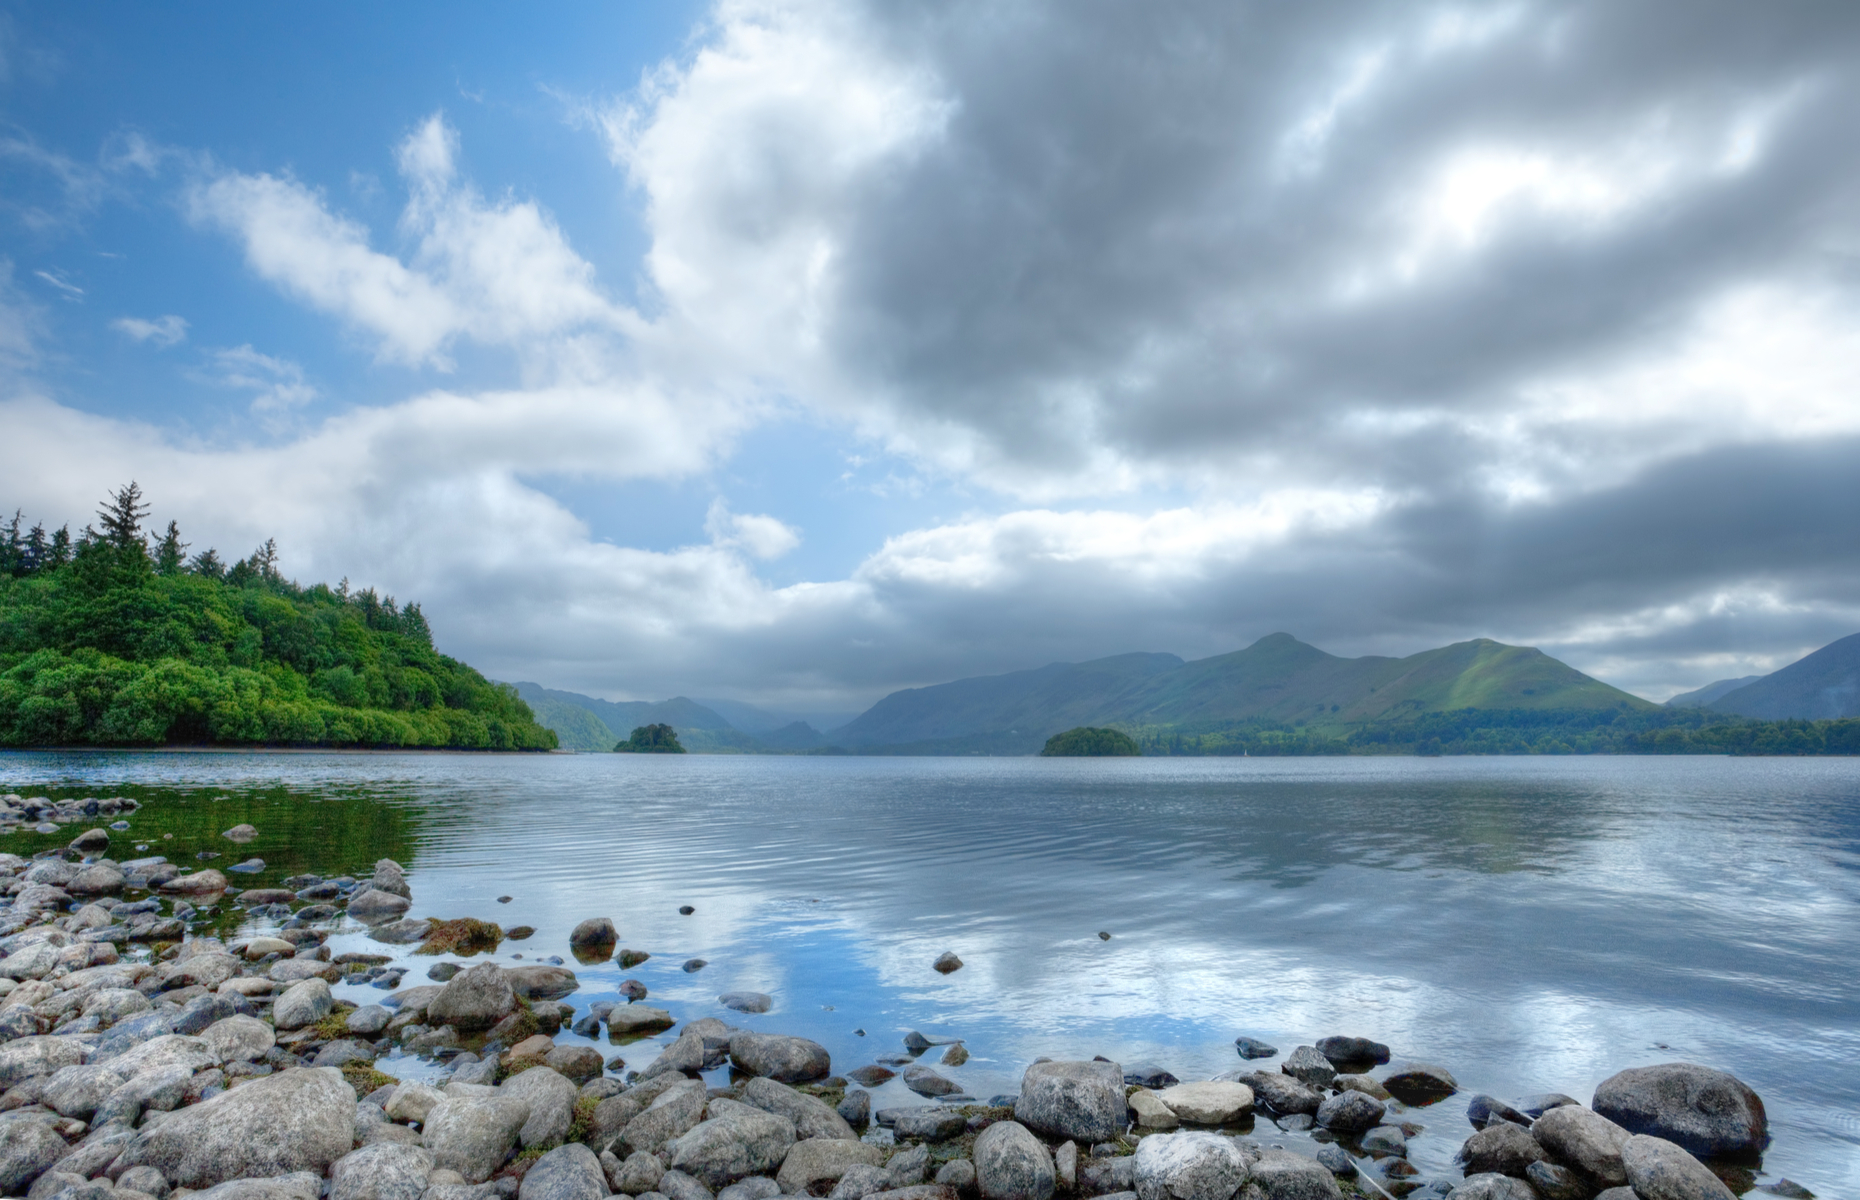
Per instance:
(142,1058)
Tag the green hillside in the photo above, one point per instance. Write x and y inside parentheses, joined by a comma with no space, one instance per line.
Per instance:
(588,723)
(575,727)
(105,640)
(1824,685)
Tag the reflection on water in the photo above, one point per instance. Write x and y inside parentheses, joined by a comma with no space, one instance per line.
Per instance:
(1533,924)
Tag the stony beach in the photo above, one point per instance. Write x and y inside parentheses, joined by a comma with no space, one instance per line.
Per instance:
(143,1056)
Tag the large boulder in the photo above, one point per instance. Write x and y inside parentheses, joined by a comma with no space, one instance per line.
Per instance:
(778,1057)
(474,999)
(239,1038)
(1076,1101)
(27,1150)
(735,1141)
(541,982)
(551,1098)
(1191,1165)
(1493,1186)
(1011,1164)
(1215,1102)
(298,1185)
(570,1172)
(76,1091)
(1352,1051)
(472,1133)
(1420,1084)
(811,1116)
(1281,1093)
(383,1171)
(1350,1112)
(1708,1112)
(595,931)
(675,1112)
(303,1003)
(1503,1148)
(817,1159)
(29,1057)
(1658,1169)
(297,1120)
(1584,1140)
(1283,1175)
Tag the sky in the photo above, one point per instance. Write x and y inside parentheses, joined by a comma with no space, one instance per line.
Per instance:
(796,353)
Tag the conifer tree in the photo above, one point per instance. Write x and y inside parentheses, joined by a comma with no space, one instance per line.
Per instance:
(171,555)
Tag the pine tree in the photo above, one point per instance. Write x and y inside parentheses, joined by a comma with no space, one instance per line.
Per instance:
(12,550)
(207,563)
(122,518)
(172,553)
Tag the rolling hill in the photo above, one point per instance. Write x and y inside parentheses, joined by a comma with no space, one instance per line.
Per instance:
(588,723)
(1702,697)
(1824,685)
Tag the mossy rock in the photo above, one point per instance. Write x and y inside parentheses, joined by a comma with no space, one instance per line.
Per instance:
(464,936)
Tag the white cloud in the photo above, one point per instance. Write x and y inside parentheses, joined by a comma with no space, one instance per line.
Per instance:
(278,384)
(162,332)
(66,289)
(761,536)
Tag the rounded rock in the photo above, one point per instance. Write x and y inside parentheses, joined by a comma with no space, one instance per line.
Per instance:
(1658,1169)
(1011,1164)
(1192,1165)
(1708,1112)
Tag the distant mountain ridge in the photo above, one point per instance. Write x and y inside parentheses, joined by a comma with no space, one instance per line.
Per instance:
(1702,697)
(589,723)
(1824,685)
(1277,678)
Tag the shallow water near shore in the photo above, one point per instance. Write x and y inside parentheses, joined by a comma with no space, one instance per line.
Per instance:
(1531,924)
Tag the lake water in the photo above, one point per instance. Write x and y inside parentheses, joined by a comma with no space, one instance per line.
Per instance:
(1532,924)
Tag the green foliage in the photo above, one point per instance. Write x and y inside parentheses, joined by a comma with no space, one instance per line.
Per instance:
(1086,742)
(100,644)
(651,739)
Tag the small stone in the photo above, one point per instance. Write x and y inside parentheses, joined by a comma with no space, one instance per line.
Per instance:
(1350,1113)
(955,1056)
(926,1082)
(628,959)
(928,1124)
(685,910)
(1212,1103)
(595,931)
(240,833)
(1309,1067)
(746,1002)
(1151,1112)
(1503,1148)
(1337,1161)
(856,1108)
(1253,1048)
(1420,1084)
(947,962)
(694,964)
(1352,1051)
(1556,1182)
(1482,1110)
(1386,1140)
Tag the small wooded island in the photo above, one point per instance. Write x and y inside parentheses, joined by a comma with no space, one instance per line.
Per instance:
(651,739)
(1086,742)
(107,640)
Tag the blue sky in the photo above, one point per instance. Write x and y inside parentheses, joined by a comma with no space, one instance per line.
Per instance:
(796,352)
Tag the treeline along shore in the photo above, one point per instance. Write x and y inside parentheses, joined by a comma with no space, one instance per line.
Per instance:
(112,637)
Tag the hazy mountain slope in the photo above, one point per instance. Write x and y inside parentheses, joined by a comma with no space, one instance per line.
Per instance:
(575,727)
(1049,698)
(624,716)
(751,719)
(1701,697)
(1826,684)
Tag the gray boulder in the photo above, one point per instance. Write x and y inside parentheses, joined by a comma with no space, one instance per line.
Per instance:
(298,1185)
(1353,1112)
(570,1172)
(926,1082)
(595,931)
(77,1090)
(1708,1112)
(1213,1102)
(27,1150)
(29,1057)
(860,1182)
(810,1115)
(1658,1169)
(1309,1067)
(1011,1164)
(473,1133)
(1554,1181)
(1352,1051)
(1503,1148)
(383,1171)
(239,1038)
(908,1167)
(1587,1141)
(1192,1165)
(303,1003)
(1282,1175)
(1077,1101)
(474,999)
(756,1187)
(375,907)
(1492,1186)
(928,1124)
(778,1057)
(552,1105)
(1420,1084)
(959,1173)
(1281,1093)
(637,1175)
(676,1185)
(737,1140)
(674,1113)
(818,1159)
(297,1120)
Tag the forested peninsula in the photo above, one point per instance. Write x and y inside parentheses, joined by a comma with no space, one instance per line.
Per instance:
(114,638)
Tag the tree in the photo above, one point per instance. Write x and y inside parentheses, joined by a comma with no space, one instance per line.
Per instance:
(122,516)
(208,564)
(651,739)
(170,555)
(1087,742)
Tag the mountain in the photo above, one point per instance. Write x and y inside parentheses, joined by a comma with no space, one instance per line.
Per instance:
(1710,692)
(590,724)
(1824,685)
(1277,678)
(750,719)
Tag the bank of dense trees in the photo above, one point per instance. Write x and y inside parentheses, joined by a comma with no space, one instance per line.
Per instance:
(110,637)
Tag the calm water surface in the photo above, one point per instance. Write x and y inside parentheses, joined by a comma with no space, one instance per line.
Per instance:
(1531,924)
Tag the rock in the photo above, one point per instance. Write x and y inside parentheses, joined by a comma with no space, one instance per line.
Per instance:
(1352,1051)
(403,932)
(1556,1182)
(907,1167)
(1108,1176)
(676,1185)
(203,1011)
(368,1019)
(383,1171)
(1191,1165)
(1365,1084)
(27,1150)
(303,1003)
(1536,1106)
(541,982)
(1011,1164)
(1420,1084)
(372,907)
(956,1055)
(1385,1140)
(861,1182)
(595,931)
(1151,1112)
(551,1100)
(674,1112)
(748,1002)
(932,1124)
(736,1141)
(871,1076)
(391,877)
(296,970)
(1281,1093)
(1213,1103)
(1254,1048)
(637,1020)
(1482,1110)
(472,1134)
(27,1057)
(1309,1067)
(1503,1148)
(1351,1113)
(947,962)
(817,1159)
(1150,1076)
(1282,1175)
(297,1120)
(1079,1101)
(97,879)
(411,1101)
(1337,1161)
(638,1174)
(474,999)
(1708,1112)
(240,833)
(1492,1186)
(809,1114)
(778,1057)
(855,1109)
(959,1173)
(1585,1140)
(756,1187)
(579,1063)
(1658,1169)
(926,1082)
(200,883)
(77,1090)
(1066,1166)
(568,1172)
(91,839)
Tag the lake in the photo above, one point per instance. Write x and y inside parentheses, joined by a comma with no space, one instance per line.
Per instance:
(1532,924)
